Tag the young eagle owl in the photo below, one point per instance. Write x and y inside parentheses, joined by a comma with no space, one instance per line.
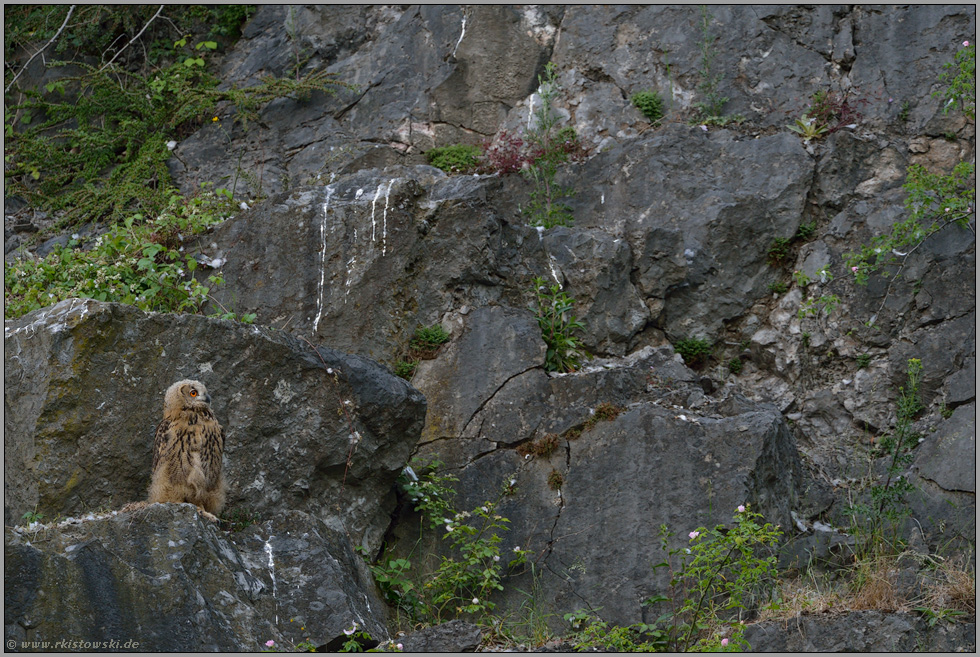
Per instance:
(187,450)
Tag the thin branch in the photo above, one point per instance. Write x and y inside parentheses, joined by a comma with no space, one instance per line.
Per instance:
(138,35)
(56,35)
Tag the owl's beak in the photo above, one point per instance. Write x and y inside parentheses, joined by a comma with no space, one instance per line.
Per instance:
(207,398)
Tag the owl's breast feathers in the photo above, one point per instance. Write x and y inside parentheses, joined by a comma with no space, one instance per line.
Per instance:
(193,432)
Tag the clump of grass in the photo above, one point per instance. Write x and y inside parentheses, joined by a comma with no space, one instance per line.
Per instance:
(458,158)
(555,480)
(544,446)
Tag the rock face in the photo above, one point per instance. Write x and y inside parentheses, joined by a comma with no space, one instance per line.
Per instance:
(83,394)
(165,580)
(673,455)
(861,631)
(675,236)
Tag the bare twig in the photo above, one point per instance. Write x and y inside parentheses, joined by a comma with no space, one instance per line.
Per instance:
(56,35)
(138,35)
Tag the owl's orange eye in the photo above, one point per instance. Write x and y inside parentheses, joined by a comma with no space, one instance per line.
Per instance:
(193,393)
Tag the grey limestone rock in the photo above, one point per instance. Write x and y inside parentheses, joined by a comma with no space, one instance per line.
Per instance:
(163,579)
(84,384)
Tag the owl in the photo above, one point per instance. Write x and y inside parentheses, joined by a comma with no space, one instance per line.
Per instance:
(187,451)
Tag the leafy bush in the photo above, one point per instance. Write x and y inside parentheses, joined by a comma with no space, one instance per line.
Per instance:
(735,366)
(139,262)
(723,569)
(934,202)
(960,78)
(554,316)
(550,148)
(888,504)
(459,158)
(650,105)
(95,145)
(464,582)
(694,351)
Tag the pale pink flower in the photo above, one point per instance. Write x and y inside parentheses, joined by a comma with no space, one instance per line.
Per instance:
(854,269)
(399,646)
(741,508)
(694,535)
(724,642)
(966,44)
(270,643)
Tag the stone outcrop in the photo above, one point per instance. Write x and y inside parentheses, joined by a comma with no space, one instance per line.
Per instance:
(164,580)
(306,429)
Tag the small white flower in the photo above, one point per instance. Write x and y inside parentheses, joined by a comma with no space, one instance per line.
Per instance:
(496,557)
(517,548)
(171,145)
(243,205)
(704,128)
(74,236)
(399,646)
(476,601)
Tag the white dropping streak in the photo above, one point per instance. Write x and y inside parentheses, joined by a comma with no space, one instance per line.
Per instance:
(373,204)
(602,200)
(530,111)
(323,260)
(272,574)
(554,273)
(461,33)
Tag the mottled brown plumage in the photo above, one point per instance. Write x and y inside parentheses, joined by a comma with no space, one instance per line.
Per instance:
(187,450)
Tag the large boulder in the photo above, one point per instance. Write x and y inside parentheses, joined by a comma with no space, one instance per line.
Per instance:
(307,428)
(166,580)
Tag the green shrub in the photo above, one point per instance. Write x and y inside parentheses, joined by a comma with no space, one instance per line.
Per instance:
(137,262)
(778,250)
(778,287)
(428,338)
(650,105)
(94,147)
(459,158)
(554,316)
(694,351)
(552,147)
(405,369)
(805,231)
(735,366)
(465,579)
(960,80)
